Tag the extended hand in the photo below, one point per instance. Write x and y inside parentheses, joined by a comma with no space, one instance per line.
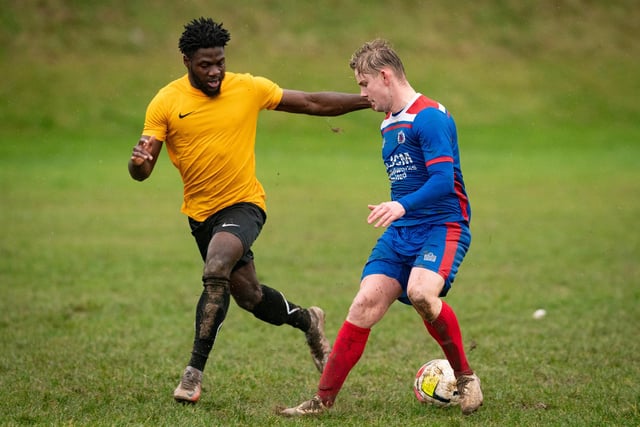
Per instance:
(141,151)
(385,213)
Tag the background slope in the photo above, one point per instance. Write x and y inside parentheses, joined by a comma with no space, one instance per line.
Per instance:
(99,277)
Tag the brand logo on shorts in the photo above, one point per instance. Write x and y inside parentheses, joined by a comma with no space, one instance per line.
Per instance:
(430,257)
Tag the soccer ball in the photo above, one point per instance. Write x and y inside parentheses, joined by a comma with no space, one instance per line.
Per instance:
(435,384)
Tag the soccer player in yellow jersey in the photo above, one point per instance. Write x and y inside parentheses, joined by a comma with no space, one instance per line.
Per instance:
(208,119)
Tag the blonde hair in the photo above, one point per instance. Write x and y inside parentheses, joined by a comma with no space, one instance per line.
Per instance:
(372,56)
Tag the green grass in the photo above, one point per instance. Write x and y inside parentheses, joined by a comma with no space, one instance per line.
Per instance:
(99,276)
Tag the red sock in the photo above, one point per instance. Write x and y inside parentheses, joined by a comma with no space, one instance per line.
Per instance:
(446,330)
(346,352)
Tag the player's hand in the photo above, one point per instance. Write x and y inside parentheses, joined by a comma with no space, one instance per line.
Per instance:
(385,213)
(141,151)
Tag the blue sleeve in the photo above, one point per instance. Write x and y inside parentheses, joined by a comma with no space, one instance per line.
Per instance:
(434,134)
(439,184)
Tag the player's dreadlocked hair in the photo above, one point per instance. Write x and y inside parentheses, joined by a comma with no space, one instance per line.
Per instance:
(202,33)
(374,55)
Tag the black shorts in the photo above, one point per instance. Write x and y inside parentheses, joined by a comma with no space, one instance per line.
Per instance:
(244,220)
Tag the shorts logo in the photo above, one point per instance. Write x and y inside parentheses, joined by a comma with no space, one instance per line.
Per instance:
(430,257)
(229,225)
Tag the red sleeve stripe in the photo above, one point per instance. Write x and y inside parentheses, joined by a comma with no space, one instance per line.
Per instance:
(439,160)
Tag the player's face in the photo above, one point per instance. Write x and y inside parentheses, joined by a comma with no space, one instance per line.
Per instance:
(206,69)
(376,89)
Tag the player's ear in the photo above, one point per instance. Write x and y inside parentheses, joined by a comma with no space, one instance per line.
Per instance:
(384,75)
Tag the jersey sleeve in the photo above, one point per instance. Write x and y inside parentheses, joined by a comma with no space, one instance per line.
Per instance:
(156,121)
(270,92)
(439,184)
(434,135)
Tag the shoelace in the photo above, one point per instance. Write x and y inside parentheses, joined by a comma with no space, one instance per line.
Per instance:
(463,382)
(190,381)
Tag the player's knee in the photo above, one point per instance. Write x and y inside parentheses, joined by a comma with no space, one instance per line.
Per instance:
(365,312)
(427,305)
(215,267)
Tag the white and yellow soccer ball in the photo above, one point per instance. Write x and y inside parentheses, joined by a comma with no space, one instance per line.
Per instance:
(435,384)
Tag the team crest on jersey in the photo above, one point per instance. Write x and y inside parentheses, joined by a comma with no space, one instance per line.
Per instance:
(401,137)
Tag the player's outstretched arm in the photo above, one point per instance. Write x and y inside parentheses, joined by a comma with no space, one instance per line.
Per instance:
(321,103)
(144,157)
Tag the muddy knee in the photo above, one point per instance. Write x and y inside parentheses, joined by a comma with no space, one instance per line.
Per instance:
(428,307)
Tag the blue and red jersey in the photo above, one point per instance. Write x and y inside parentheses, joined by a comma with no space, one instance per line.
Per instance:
(420,152)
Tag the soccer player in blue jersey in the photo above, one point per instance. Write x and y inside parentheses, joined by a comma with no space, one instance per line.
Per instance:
(417,257)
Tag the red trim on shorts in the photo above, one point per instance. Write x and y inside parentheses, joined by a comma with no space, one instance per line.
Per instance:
(450,248)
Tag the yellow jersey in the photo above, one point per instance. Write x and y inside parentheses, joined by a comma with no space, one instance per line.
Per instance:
(211,141)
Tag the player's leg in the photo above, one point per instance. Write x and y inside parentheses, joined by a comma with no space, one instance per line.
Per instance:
(265,303)
(442,323)
(380,286)
(423,291)
(431,279)
(221,246)
(377,292)
(271,306)
(223,252)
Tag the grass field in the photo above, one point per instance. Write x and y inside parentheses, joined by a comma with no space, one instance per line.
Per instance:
(99,276)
